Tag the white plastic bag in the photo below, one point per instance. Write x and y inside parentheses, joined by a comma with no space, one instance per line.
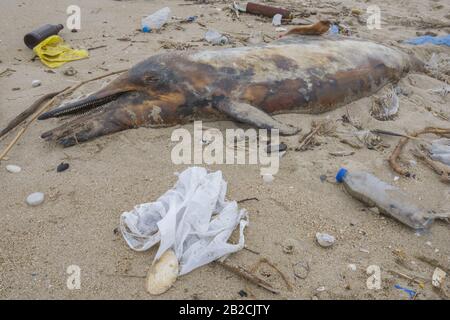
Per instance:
(193,219)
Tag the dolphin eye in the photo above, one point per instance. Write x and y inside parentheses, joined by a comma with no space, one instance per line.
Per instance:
(149,78)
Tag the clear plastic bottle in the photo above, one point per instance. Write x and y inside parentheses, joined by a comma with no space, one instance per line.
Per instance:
(214,37)
(388,199)
(156,20)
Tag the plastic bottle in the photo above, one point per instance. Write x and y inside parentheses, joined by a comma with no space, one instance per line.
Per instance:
(214,37)
(35,37)
(388,199)
(156,20)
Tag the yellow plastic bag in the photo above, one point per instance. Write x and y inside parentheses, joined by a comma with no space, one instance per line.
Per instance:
(53,52)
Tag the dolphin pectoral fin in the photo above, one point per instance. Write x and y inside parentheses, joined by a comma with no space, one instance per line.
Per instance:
(246,113)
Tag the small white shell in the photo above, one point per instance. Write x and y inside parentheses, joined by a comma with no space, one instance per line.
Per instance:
(36,83)
(35,199)
(325,240)
(438,277)
(163,274)
(13,169)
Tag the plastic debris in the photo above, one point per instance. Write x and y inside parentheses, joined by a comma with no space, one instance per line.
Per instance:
(13,168)
(334,29)
(325,240)
(388,199)
(442,40)
(35,199)
(54,52)
(440,151)
(216,38)
(193,219)
(191,19)
(163,274)
(156,20)
(438,277)
(412,294)
(443,91)
(276,21)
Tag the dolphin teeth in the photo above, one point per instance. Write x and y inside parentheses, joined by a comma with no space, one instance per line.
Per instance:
(78,107)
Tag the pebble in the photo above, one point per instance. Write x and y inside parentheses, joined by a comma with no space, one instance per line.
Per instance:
(62,167)
(321,289)
(13,168)
(352,267)
(325,240)
(36,83)
(35,199)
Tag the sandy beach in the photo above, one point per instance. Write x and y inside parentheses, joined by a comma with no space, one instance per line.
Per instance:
(77,224)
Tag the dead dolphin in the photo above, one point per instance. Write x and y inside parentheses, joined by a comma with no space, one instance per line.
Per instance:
(295,74)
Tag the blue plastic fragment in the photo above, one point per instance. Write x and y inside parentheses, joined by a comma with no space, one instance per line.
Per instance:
(410,292)
(191,18)
(334,29)
(442,40)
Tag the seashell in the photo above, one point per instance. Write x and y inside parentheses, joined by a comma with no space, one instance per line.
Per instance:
(325,240)
(163,274)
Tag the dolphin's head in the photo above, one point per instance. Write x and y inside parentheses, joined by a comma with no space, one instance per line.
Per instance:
(146,80)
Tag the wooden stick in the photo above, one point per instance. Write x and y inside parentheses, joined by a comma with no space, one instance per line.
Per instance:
(30,110)
(395,134)
(307,138)
(442,170)
(393,159)
(240,271)
(48,105)
(407,277)
(433,262)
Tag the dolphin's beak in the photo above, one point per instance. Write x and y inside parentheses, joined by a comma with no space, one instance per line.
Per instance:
(101,97)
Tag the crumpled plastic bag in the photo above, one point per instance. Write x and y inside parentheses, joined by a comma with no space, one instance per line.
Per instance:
(54,52)
(193,219)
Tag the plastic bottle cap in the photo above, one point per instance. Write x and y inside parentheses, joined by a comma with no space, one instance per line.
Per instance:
(341,175)
(146,29)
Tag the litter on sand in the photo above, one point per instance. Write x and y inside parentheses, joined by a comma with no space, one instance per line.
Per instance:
(388,199)
(193,219)
(442,40)
(54,52)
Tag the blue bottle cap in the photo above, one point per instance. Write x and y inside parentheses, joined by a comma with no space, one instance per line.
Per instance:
(341,175)
(146,29)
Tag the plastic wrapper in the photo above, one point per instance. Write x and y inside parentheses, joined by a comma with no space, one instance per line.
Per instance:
(193,219)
